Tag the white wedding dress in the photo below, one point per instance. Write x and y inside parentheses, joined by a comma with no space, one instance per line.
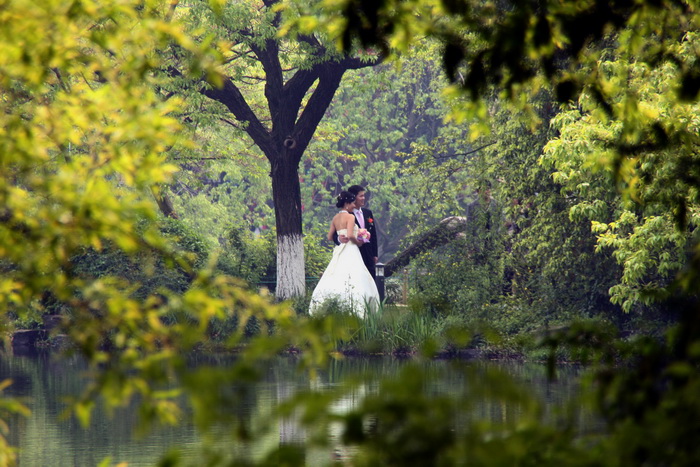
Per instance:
(346,281)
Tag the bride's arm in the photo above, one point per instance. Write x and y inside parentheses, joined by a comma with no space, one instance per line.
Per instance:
(350,226)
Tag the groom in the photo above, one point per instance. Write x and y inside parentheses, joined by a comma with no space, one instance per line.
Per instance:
(365,220)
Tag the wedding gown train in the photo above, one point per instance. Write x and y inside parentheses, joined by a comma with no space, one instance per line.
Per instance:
(346,281)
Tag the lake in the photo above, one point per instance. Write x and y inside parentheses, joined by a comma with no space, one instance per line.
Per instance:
(43,381)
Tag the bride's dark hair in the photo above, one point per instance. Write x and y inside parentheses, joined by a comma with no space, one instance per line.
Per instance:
(343,198)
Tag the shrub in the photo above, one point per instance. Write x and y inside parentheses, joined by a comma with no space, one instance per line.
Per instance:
(248,257)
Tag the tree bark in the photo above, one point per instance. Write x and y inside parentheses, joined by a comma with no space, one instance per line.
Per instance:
(286,195)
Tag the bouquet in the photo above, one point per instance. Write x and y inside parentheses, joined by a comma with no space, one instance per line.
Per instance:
(363,235)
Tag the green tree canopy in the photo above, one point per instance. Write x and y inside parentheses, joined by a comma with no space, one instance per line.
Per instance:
(85,129)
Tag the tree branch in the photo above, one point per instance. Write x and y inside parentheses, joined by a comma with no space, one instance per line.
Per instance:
(468,153)
(313,112)
(447,230)
(231,97)
(274,80)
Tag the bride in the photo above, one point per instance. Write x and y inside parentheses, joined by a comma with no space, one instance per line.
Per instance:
(346,279)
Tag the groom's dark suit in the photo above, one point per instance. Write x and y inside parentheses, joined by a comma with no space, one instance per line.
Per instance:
(369,250)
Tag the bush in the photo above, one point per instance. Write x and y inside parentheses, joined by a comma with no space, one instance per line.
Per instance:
(148,270)
(248,257)
(393,290)
(452,279)
(317,254)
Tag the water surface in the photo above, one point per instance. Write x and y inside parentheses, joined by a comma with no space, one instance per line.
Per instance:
(46,438)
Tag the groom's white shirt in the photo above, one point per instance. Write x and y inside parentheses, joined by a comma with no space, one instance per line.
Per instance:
(360,217)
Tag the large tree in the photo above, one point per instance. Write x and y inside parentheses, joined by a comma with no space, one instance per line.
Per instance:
(276,88)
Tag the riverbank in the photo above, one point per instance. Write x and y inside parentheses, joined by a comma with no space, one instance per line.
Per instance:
(387,339)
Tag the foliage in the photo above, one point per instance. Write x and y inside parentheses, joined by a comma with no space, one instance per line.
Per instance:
(411,420)
(138,269)
(84,135)
(392,330)
(652,253)
(317,250)
(638,146)
(393,290)
(246,256)
(523,262)
(551,265)
(600,52)
(456,279)
(524,44)
(650,230)
(222,181)
(644,388)
(84,138)
(376,117)
(8,454)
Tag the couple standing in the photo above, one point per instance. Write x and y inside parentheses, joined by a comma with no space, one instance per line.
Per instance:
(349,277)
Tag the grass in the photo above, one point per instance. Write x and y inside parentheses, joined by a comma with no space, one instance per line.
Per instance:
(392,329)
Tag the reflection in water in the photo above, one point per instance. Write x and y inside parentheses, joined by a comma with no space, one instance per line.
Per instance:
(44,438)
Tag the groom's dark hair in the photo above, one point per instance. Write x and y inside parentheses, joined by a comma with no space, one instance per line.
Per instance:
(355,189)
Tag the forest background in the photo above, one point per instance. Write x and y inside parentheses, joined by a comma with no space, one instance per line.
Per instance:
(555,229)
(578,182)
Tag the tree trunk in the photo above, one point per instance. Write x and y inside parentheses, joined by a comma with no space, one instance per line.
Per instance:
(286,194)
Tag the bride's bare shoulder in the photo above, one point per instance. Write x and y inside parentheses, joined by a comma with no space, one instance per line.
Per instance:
(341,219)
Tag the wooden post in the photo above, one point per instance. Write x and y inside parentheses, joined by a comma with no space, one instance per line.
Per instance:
(404,287)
